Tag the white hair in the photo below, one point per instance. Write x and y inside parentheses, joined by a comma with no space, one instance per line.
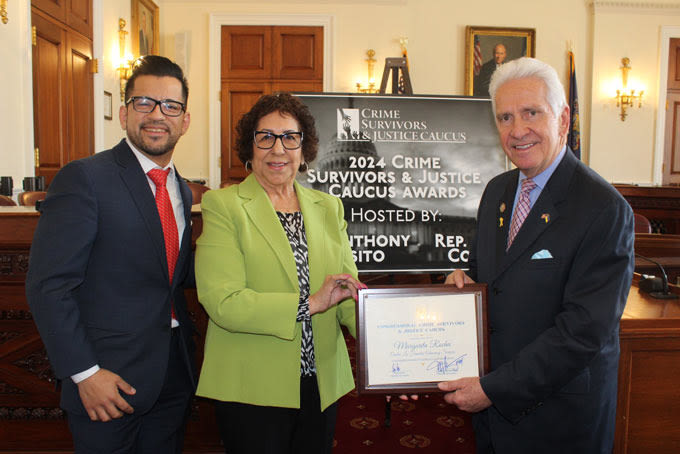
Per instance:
(530,67)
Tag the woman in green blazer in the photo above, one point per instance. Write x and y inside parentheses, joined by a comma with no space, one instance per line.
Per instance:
(275,272)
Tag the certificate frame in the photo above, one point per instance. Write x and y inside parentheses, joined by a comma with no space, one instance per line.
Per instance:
(472,296)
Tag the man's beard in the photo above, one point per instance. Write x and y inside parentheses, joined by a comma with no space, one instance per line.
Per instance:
(150,148)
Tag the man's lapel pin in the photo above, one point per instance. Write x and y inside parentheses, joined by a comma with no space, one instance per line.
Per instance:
(545,217)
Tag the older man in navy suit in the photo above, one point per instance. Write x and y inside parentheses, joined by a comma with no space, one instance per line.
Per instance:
(108,265)
(554,244)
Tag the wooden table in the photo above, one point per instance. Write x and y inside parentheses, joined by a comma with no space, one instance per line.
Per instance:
(648,409)
(30,418)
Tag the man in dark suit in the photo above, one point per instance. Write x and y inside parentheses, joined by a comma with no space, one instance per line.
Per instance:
(557,282)
(481,85)
(109,261)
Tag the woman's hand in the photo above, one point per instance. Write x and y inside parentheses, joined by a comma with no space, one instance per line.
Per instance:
(335,288)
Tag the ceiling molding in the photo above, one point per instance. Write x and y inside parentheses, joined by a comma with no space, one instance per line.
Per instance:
(636,6)
(330,2)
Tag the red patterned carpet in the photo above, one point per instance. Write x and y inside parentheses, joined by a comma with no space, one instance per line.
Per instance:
(427,425)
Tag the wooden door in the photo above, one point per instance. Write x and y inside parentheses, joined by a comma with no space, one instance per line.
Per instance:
(297,53)
(297,86)
(63,98)
(77,14)
(259,60)
(49,100)
(246,53)
(54,8)
(79,92)
(237,99)
(671,156)
(674,64)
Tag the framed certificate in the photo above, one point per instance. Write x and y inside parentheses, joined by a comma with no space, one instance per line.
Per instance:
(411,338)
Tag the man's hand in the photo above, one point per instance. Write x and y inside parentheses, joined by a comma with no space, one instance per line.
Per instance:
(459,278)
(467,394)
(100,396)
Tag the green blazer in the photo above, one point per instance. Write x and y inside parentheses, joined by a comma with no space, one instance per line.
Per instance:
(247,282)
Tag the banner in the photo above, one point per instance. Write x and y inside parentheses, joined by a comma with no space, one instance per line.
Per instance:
(410,172)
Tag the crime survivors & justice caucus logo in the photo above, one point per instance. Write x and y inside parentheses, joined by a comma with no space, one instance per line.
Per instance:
(388,125)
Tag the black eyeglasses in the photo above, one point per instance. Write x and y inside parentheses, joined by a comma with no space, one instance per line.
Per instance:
(144,104)
(265,140)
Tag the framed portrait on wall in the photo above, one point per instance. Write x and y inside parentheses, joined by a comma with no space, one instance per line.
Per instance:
(144,28)
(108,106)
(488,47)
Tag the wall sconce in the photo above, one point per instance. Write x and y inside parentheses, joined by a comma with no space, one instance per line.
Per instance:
(626,98)
(126,61)
(370,61)
(3,11)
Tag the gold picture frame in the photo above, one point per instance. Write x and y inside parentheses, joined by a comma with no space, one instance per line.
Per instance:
(480,53)
(144,31)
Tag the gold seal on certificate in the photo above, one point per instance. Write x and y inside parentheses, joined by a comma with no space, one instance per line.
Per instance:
(411,338)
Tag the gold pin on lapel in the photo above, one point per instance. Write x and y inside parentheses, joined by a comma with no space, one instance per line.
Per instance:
(545,217)
(502,207)
(500,221)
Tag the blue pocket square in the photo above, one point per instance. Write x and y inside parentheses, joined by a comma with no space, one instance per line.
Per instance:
(542,254)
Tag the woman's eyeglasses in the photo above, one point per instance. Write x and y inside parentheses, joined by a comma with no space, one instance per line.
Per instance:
(265,140)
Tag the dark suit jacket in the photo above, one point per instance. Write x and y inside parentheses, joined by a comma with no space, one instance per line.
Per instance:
(481,85)
(554,322)
(98,283)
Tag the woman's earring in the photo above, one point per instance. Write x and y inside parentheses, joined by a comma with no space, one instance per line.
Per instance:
(306,167)
(248,164)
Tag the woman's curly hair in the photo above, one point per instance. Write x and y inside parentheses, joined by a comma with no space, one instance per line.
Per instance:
(284,103)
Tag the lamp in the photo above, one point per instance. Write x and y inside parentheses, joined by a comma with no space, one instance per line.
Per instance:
(624,97)
(370,61)
(126,61)
(3,11)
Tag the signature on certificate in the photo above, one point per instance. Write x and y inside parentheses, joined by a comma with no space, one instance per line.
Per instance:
(444,365)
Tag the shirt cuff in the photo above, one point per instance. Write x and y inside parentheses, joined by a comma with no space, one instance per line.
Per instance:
(77,378)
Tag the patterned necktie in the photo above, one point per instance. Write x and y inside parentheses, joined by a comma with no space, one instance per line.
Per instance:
(521,210)
(168,221)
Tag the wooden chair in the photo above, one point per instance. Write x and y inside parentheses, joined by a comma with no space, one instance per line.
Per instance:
(7,201)
(197,191)
(229,181)
(642,224)
(28,198)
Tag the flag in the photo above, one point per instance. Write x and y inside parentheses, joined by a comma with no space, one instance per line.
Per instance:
(574,137)
(477,64)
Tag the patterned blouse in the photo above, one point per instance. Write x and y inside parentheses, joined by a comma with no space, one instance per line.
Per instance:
(294,227)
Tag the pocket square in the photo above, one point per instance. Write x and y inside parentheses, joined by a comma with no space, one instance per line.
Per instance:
(542,254)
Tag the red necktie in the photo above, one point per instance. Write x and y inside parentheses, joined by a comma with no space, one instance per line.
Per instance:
(522,209)
(168,221)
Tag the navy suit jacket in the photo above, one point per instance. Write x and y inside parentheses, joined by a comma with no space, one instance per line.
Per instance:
(481,85)
(554,322)
(98,282)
